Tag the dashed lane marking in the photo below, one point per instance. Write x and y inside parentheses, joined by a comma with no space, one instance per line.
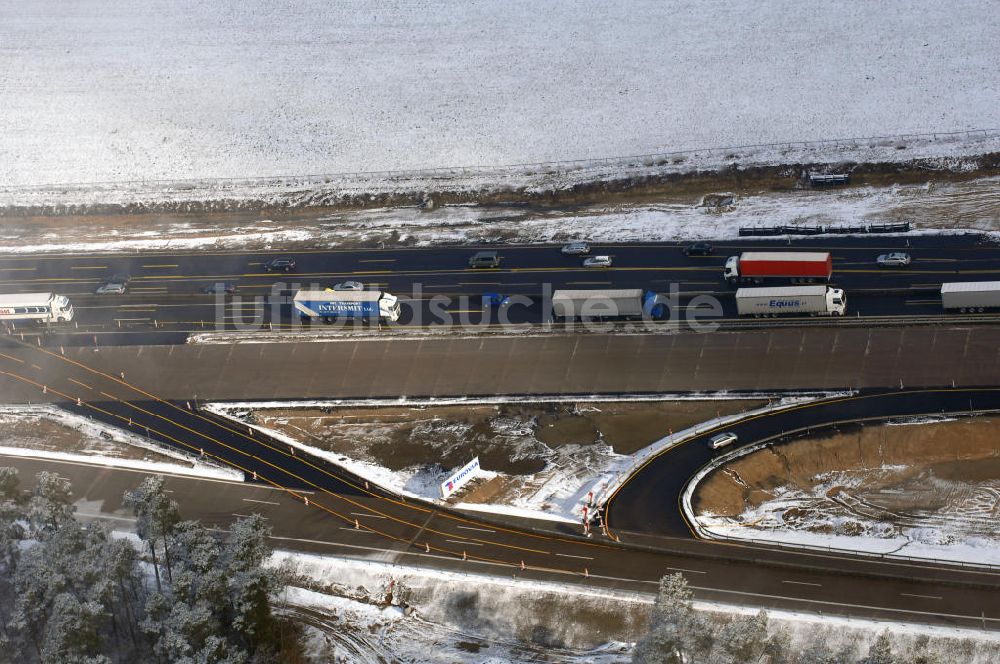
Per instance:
(484,530)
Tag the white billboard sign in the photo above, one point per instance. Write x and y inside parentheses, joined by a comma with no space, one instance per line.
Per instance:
(460,478)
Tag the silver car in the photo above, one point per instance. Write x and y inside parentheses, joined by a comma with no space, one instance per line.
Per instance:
(598,261)
(720,440)
(116,285)
(895,259)
(576,249)
(349,286)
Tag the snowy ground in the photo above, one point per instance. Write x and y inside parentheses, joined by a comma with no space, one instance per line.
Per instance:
(457,618)
(557,492)
(71,437)
(113,90)
(933,207)
(904,502)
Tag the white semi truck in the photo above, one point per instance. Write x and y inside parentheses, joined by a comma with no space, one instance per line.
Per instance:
(791,300)
(620,303)
(329,305)
(36,307)
(970,296)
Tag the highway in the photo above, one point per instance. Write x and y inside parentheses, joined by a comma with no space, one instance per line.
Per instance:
(661,480)
(436,286)
(378,522)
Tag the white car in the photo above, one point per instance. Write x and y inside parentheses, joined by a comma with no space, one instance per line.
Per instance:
(597,261)
(576,249)
(349,286)
(895,259)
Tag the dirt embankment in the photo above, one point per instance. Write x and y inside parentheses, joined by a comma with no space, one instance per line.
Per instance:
(967,449)
(515,439)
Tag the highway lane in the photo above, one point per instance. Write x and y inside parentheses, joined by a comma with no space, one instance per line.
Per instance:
(437,535)
(662,479)
(165,294)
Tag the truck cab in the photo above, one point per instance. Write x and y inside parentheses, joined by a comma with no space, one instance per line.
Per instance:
(836,301)
(732,270)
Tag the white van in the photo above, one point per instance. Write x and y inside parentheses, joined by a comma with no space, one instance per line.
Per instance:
(721,440)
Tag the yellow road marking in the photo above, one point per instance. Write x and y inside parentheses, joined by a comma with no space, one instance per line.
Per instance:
(10,357)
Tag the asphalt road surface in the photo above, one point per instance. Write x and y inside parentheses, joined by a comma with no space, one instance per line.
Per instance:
(377,521)
(436,286)
(662,480)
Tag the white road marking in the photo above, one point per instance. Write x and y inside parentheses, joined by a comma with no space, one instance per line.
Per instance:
(263,502)
(920,596)
(567,555)
(804,583)
(370,516)
(464,542)
(689,571)
(485,530)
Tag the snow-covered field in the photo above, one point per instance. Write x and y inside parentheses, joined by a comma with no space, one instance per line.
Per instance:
(114,90)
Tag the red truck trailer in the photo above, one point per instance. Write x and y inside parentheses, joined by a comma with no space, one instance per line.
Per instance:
(797,267)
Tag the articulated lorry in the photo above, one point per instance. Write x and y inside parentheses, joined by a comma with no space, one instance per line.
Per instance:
(756,267)
(328,305)
(36,307)
(606,303)
(970,296)
(791,300)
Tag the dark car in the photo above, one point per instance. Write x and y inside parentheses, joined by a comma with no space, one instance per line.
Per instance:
(698,249)
(280,265)
(224,287)
(485,259)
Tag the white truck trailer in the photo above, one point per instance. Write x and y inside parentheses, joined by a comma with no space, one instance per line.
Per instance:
(791,300)
(970,296)
(606,303)
(328,305)
(36,307)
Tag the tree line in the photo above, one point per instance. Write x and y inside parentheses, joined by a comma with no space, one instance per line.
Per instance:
(679,634)
(74,593)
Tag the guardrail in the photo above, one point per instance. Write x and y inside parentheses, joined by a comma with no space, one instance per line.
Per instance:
(772,231)
(708,534)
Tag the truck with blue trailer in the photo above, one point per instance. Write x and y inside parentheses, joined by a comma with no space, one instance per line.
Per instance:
(601,304)
(41,308)
(330,305)
(791,300)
